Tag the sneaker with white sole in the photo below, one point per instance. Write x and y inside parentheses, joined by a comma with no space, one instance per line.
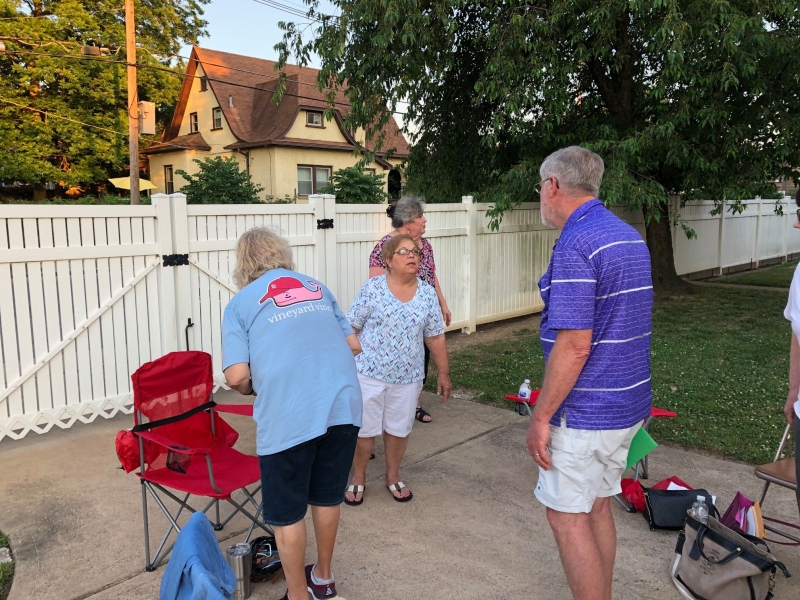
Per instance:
(322,591)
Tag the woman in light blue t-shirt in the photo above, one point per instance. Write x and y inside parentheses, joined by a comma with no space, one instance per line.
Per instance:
(395,315)
(284,337)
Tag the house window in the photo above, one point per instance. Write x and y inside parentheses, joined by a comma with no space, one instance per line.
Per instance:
(369,171)
(203,84)
(311,179)
(193,127)
(314,119)
(216,118)
(169,185)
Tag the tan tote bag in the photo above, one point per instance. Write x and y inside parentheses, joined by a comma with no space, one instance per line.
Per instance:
(715,563)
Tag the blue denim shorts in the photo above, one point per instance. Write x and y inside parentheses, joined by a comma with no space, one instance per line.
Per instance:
(314,472)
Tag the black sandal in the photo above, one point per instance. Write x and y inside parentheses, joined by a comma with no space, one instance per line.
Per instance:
(421,414)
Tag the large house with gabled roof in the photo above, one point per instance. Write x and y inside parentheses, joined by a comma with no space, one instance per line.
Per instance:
(226,108)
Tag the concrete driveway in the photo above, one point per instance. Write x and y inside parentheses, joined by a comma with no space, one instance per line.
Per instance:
(473,530)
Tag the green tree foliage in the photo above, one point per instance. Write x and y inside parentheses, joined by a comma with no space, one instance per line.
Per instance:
(220,181)
(698,98)
(43,69)
(352,185)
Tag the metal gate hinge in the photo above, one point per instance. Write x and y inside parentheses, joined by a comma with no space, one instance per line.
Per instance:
(324,223)
(175,260)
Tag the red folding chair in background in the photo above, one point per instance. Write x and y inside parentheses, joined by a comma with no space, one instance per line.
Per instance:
(186,447)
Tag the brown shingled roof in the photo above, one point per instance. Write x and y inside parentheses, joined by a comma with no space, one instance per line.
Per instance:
(254,119)
(193,141)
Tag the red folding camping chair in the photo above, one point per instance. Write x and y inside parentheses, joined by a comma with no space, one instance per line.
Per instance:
(641,471)
(184,446)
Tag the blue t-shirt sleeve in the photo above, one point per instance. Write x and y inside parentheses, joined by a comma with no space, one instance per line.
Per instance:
(433,325)
(343,322)
(573,286)
(360,309)
(235,348)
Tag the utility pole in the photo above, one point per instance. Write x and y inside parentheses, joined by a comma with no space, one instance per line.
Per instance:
(133,101)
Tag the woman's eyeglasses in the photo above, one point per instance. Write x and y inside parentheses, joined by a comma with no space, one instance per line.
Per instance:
(406,252)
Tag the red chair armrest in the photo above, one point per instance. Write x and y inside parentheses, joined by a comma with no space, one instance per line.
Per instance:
(245,410)
(171,444)
(660,413)
(531,401)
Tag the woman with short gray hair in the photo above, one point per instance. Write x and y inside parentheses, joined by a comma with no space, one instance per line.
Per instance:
(408,218)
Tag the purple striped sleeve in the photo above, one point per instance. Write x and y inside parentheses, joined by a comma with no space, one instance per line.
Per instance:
(572,291)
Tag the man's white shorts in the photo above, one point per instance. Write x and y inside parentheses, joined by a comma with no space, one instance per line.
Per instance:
(585,465)
(388,407)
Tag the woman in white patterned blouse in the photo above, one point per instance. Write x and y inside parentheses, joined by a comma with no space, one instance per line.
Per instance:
(395,315)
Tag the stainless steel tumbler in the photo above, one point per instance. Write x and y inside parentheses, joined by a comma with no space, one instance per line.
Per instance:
(239,557)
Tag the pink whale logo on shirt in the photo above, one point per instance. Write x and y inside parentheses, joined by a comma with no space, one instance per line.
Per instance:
(286,291)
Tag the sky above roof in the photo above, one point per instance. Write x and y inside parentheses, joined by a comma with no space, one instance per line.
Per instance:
(250,27)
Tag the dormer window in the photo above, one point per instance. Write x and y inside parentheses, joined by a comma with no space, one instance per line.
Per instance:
(216,118)
(193,124)
(314,119)
(203,84)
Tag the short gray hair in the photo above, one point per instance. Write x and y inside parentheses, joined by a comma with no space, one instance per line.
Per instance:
(576,168)
(406,210)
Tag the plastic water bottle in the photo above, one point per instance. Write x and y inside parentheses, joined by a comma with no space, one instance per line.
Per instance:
(700,509)
(524,394)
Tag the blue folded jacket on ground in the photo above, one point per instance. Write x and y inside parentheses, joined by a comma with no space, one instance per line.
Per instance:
(197,569)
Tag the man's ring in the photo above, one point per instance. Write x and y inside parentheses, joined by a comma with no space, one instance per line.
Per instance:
(537,454)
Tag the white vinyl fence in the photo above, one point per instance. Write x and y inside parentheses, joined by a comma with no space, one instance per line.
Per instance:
(729,240)
(90,293)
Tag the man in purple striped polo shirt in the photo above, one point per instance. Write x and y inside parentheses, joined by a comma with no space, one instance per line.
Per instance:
(595,333)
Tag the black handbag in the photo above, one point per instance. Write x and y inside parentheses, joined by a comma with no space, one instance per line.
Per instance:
(666,509)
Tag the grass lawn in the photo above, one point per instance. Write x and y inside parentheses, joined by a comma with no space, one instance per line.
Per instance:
(719,359)
(6,570)
(775,276)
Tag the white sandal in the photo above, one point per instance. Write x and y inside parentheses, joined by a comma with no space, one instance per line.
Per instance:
(398,487)
(352,490)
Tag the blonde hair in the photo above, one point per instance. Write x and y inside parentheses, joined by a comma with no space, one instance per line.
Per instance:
(260,250)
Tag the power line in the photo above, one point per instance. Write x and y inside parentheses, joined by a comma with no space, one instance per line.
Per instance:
(58,16)
(55,116)
(26,17)
(52,115)
(295,12)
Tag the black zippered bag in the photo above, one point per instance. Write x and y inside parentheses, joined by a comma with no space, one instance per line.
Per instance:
(666,509)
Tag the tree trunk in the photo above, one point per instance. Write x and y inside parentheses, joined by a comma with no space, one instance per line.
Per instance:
(659,242)
(39,192)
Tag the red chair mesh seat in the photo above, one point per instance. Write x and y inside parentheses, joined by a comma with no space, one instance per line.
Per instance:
(232,470)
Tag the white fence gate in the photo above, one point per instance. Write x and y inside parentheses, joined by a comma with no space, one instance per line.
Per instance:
(79,311)
(86,295)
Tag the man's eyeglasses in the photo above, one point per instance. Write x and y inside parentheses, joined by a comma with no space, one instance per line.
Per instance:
(406,252)
(538,187)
